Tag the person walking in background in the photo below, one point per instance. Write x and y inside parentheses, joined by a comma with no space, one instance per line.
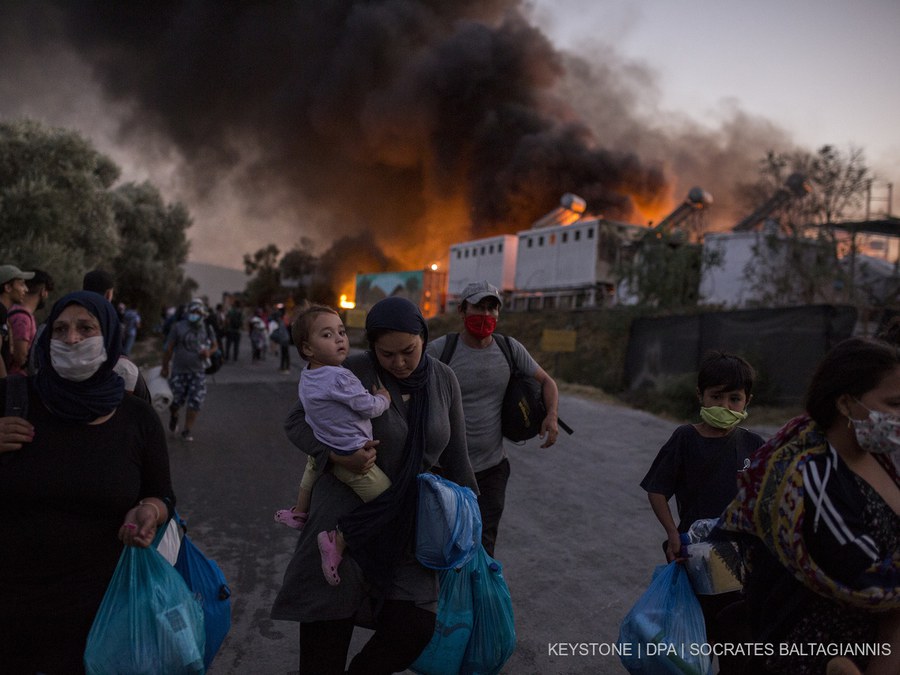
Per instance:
(189,346)
(699,465)
(234,324)
(131,322)
(22,324)
(217,319)
(284,323)
(820,506)
(483,373)
(272,325)
(12,291)
(258,339)
(102,283)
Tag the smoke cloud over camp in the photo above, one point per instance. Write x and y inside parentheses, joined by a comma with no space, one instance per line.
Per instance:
(395,124)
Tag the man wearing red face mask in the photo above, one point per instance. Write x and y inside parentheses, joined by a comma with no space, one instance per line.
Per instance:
(483,373)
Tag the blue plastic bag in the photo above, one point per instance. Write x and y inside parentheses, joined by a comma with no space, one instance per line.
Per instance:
(493,629)
(148,622)
(448,523)
(204,577)
(453,626)
(656,637)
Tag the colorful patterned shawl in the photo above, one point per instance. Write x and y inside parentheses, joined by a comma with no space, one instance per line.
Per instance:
(770,505)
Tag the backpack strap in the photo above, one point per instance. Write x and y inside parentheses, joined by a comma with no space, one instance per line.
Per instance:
(449,347)
(16,396)
(501,340)
(18,310)
(503,343)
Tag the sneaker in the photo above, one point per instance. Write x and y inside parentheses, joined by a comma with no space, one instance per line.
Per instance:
(173,422)
(186,435)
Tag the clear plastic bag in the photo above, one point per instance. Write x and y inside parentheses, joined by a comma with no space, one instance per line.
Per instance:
(448,523)
(714,563)
(148,622)
(661,634)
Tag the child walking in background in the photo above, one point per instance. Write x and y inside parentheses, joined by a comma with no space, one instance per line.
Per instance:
(258,338)
(700,464)
(338,409)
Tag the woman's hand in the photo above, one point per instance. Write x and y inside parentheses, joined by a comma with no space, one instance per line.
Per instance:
(139,527)
(15,432)
(360,461)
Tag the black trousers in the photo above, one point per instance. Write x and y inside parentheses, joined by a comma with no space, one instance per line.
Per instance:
(401,633)
(232,345)
(492,488)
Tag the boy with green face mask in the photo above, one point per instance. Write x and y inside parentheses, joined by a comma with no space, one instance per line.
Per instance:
(700,463)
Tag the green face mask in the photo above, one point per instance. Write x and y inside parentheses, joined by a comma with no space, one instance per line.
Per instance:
(722,418)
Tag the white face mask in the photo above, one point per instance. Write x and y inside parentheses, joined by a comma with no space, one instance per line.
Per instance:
(77,362)
(879,433)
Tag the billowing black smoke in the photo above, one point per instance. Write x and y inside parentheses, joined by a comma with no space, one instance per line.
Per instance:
(380,113)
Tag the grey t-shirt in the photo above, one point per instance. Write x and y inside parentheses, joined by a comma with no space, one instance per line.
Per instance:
(483,375)
(189,339)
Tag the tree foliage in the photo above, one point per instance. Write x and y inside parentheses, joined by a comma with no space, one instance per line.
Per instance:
(265,286)
(839,181)
(152,248)
(59,212)
(298,275)
(799,261)
(663,271)
(55,206)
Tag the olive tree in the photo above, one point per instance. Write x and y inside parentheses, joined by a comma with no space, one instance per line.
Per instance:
(55,205)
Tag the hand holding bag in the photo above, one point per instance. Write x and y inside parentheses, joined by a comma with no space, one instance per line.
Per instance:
(148,622)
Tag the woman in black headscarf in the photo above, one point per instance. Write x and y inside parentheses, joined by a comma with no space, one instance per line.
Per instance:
(382,584)
(84,471)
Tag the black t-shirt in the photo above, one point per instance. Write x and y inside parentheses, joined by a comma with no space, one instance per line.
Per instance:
(63,497)
(701,472)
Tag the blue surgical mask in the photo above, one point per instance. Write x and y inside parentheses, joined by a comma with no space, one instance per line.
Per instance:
(193,317)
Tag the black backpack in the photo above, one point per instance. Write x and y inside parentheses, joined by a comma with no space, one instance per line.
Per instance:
(523,411)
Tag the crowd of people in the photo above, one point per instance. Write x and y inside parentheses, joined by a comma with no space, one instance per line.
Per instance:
(815,510)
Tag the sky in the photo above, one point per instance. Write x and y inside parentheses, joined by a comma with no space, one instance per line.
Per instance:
(654,77)
(826,72)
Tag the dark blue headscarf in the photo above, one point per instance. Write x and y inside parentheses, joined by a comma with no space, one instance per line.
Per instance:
(379,532)
(102,392)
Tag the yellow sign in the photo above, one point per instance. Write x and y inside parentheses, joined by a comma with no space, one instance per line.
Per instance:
(355,318)
(558,340)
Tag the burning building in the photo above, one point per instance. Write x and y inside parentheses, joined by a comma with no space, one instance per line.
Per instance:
(567,259)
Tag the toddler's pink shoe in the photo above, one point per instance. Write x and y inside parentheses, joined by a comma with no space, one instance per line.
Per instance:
(331,559)
(291,518)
